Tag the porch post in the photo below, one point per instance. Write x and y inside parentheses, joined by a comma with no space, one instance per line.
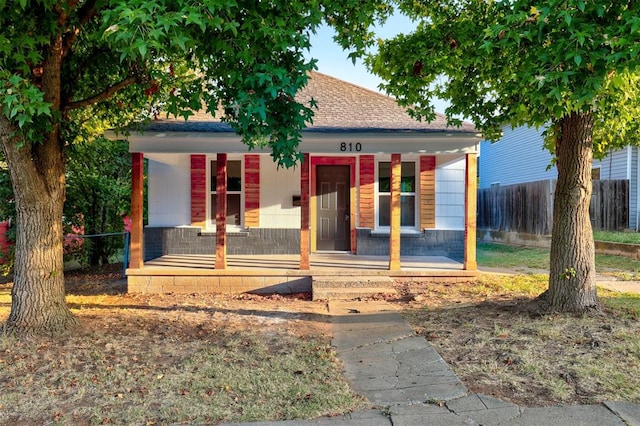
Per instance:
(394,234)
(136,260)
(304,212)
(221,212)
(470,197)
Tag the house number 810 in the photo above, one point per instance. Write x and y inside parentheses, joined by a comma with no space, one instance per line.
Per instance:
(351,146)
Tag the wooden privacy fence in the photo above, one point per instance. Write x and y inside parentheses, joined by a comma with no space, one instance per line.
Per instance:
(528,207)
(609,208)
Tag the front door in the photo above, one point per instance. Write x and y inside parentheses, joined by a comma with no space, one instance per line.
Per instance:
(333,222)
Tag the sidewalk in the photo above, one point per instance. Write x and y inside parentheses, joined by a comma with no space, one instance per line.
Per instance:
(409,384)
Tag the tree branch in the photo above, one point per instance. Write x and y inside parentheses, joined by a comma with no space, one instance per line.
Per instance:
(105,94)
(85,13)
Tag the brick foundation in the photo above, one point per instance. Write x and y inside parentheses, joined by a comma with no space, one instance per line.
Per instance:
(191,240)
(429,243)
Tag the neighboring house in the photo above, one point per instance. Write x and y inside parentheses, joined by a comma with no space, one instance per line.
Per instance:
(520,157)
(341,199)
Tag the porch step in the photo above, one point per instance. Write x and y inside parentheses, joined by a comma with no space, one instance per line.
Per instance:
(351,287)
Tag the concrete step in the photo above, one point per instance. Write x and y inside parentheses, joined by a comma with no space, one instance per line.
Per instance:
(345,288)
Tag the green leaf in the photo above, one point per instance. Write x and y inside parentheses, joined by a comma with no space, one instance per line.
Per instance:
(142,48)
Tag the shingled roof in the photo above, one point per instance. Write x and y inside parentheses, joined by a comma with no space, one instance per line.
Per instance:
(342,107)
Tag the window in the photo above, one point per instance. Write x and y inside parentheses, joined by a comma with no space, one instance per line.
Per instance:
(595,173)
(407,194)
(234,192)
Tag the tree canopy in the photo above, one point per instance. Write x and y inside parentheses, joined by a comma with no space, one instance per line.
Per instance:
(69,68)
(518,62)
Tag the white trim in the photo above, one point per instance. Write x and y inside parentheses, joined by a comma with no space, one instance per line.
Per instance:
(416,195)
(312,142)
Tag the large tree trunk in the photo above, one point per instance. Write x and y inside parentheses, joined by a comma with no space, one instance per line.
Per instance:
(38,296)
(37,168)
(572,284)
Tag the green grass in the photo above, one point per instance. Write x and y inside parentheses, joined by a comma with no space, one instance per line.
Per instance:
(494,255)
(617,237)
(625,304)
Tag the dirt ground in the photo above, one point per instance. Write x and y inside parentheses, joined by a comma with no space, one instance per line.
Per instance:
(305,317)
(498,344)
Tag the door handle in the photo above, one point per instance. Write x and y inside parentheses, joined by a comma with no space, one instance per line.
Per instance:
(346,217)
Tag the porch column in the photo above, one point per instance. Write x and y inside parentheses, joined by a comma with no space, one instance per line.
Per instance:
(136,260)
(470,197)
(304,213)
(395,203)
(221,212)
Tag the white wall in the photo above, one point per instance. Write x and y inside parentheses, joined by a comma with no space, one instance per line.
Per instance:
(450,181)
(169,181)
(277,188)
(170,186)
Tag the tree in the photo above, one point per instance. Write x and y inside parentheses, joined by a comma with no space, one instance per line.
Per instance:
(98,194)
(570,64)
(68,67)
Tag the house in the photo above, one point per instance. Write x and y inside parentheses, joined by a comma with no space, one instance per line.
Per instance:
(378,193)
(519,157)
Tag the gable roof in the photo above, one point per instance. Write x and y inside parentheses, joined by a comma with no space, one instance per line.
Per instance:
(342,107)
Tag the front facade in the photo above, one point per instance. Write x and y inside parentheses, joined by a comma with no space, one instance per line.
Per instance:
(373,182)
(349,204)
(519,157)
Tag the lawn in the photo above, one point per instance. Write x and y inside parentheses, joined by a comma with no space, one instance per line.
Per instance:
(501,341)
(166,359)
(617,237)
(528,259)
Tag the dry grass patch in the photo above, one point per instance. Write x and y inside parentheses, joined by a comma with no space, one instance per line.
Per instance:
(174,359)
(496,338)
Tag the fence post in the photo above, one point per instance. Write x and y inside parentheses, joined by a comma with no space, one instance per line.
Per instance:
(125,260)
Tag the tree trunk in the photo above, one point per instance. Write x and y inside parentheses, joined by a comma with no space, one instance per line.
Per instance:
(38,304)
(572,284)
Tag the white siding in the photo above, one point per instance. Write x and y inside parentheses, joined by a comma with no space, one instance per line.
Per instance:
(169,183)
(450,180)
(277,188)
(518,157)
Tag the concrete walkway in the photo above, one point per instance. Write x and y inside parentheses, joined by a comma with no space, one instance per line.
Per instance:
(409,384)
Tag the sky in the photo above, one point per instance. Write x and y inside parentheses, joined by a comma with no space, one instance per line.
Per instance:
(333,61)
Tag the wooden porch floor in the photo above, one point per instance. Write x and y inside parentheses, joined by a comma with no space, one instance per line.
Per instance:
(280,273)
(343,263)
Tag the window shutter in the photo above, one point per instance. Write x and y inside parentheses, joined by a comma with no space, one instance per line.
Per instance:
(367,182)
(251,191)
(427,192)
(198,190)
